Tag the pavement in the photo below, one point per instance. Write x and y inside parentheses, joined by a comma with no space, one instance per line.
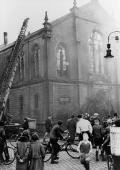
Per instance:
(67,163)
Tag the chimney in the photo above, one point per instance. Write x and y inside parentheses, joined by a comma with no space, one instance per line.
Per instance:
(5,38)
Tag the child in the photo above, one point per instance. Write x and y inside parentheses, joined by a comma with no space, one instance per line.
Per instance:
(22,151)
(97,136)
(85,149)
(37,154)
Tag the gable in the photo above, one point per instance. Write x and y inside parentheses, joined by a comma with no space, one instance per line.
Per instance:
(94,12)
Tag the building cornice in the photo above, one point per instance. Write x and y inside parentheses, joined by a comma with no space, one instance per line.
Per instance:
(59,81)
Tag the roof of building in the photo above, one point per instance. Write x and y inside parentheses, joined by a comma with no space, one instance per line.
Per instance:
(92,11)
(7,46)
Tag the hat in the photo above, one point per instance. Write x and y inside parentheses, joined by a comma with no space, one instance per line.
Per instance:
(60,122)
(80,116)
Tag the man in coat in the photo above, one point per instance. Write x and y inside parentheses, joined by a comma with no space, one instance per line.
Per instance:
(55,135)
(48,127)
(71,127)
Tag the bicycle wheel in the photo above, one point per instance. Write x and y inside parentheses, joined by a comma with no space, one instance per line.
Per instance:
(11,156)
(72,151)
(47,153)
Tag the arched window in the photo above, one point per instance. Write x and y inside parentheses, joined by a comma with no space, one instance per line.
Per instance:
(35,61)
(96,52)
(62,63)
(21,68)
(21,107)
(8,105)
(21,104)
(36,101)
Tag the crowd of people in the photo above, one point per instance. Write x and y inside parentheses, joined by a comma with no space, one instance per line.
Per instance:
(90,131)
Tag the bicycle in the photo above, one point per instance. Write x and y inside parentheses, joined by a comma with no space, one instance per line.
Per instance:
(65,145)
(14,138)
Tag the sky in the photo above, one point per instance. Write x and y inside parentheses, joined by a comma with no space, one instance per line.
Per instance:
(13,12)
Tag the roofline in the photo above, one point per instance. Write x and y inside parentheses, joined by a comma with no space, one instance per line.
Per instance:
(6,47)
(58,20)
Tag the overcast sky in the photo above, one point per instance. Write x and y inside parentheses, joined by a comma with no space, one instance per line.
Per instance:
(13,12)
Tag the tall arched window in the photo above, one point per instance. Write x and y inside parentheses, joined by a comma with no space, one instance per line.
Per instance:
(8,105)
(36,101)
(35,61)
(21,103)
(21,106)
(21,68)
(96,53)
(62,63)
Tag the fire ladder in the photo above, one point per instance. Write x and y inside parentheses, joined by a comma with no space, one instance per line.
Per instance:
(8,75)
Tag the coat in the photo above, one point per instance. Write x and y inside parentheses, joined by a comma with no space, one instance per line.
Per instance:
(56,133)
(37,154)
(22,153)
(71,126)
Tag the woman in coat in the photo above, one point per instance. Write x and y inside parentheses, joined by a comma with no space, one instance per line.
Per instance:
(37,154)
(22,152)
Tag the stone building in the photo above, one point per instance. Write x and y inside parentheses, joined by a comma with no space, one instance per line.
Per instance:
(62,65)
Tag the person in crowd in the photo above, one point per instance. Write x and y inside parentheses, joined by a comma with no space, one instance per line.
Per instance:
(83,126)
(3,144)
(85,150)
(97,137)
(2,141)
(94,117)
(115,117)
(25,124)
(55,134)
(37,153)
(87,116)
(22,152)
(106,142)
(48,127)
(71,127)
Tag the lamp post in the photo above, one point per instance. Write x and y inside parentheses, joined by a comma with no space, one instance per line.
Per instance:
(108,56)
(108,51)
(116,158)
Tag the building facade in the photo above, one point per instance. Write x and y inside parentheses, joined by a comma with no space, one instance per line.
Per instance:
(62,67)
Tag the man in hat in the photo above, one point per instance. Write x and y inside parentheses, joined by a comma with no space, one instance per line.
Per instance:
(55,134)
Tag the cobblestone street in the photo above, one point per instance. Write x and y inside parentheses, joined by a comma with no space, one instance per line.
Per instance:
(67,163)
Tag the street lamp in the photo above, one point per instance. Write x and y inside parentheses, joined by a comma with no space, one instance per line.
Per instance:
(108,56)
(108,51)
(116,159)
